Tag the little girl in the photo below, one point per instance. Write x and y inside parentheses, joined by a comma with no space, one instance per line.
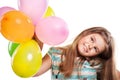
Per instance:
(89,57)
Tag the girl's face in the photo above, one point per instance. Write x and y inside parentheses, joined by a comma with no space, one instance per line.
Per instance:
(91,45)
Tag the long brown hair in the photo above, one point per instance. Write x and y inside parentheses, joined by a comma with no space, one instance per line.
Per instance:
(71,52)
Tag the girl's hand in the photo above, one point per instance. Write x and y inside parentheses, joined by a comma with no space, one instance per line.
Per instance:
(38,41)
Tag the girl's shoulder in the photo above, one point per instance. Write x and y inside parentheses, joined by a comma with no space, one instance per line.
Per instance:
(55,53)
(55,50)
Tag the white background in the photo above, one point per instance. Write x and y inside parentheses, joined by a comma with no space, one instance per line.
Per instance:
(79,15)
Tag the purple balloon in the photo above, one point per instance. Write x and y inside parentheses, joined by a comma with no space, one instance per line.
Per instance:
(35,9)
(5,9)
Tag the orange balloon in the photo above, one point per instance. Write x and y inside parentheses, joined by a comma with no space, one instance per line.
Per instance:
(16,26)
(0,27)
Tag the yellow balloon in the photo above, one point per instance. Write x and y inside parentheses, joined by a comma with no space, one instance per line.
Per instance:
(27,59)
(49,12)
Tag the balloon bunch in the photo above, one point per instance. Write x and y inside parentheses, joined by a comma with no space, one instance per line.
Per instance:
(33,17)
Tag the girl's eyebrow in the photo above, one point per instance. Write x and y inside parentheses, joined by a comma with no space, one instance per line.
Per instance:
(94,38)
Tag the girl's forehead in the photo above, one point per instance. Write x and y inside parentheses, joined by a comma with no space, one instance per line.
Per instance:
(91,34)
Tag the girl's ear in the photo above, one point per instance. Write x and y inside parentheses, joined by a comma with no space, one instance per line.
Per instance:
(38,41)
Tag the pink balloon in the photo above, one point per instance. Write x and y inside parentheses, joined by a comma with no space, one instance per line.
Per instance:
(35,9)
(52,30)
(5,9)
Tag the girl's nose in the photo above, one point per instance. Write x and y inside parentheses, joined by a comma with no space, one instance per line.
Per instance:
(89,45)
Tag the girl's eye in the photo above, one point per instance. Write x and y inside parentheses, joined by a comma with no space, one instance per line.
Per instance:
(95,49)
(92,39)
